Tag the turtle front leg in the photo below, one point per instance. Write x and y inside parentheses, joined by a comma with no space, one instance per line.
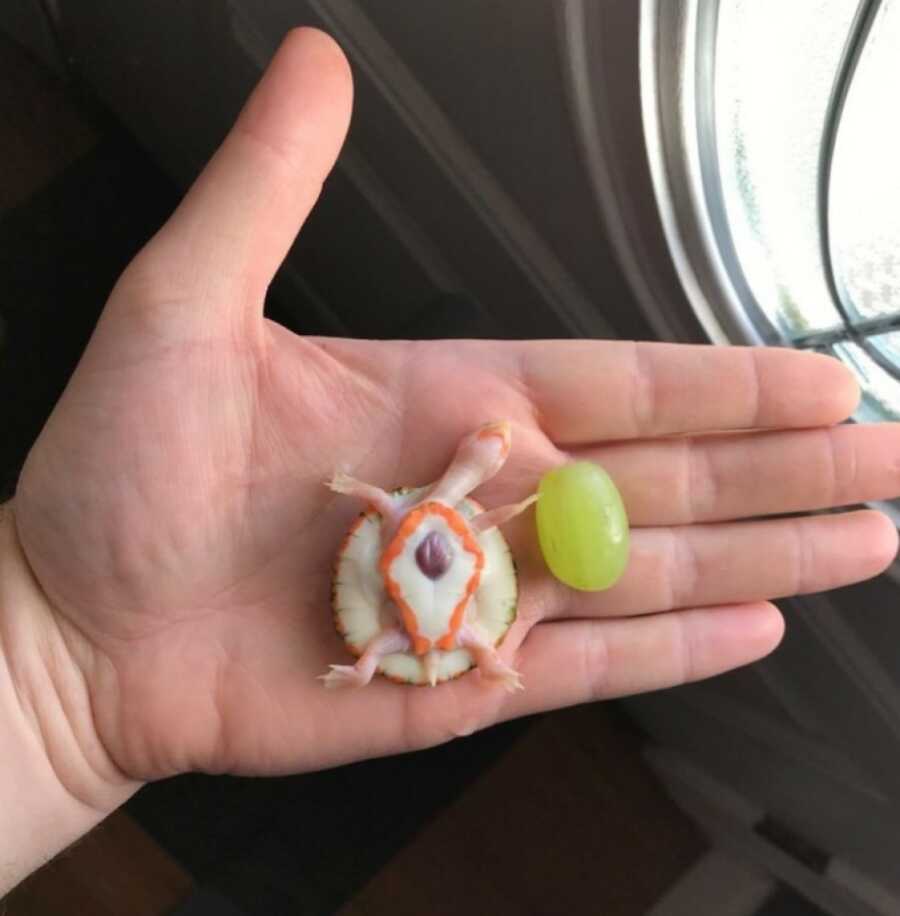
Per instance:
(491,667)
(390,508)
(484,521)
(358,675)
(478,457)
(380,500)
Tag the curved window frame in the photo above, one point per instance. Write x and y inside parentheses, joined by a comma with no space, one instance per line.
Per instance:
(677,47)
(677,66)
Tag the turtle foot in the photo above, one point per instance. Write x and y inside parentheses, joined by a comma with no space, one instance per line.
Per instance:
(345,676)
(344,483)
(504,676)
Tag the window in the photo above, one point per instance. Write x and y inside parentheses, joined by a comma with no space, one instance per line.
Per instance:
(777,170)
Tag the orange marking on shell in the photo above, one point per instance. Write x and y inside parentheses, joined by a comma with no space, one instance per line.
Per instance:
(391,552)
(458,526)
(448,641)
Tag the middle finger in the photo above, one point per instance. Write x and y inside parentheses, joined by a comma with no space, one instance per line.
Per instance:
(681,481)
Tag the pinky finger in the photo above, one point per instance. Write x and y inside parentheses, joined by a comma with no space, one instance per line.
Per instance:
(569,662)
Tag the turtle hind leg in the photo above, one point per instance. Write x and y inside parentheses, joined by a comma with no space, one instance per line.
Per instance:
(360,674)
(491,667)
(345,676)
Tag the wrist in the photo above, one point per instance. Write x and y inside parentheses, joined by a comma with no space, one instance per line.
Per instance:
(56,780)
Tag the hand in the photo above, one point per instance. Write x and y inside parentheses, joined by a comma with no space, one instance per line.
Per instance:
(175,518)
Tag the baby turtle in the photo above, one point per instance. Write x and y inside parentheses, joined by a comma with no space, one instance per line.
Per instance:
(425,584)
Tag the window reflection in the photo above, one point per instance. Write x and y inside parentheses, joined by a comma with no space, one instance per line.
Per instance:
(881,394)
(775,66)
(864,194)
(790,81)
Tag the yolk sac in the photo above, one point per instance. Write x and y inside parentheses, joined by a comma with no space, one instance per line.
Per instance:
(433,555)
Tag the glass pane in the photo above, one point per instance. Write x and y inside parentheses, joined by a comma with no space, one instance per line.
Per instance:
(864,197)
(775,66)
(888,345)
(881,391)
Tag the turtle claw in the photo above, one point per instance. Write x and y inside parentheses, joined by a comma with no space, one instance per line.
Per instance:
(342,483)
(344,676)
(506,677)
(430,665)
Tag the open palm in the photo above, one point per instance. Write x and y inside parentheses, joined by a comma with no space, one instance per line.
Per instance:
(175,514)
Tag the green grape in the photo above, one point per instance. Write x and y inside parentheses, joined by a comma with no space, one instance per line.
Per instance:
(582,526)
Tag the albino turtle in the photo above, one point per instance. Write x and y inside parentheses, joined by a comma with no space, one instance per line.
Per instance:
(425,584)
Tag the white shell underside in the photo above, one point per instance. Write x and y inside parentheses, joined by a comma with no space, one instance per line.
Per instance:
(362,609)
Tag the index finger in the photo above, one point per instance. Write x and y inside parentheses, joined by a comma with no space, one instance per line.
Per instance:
(586,391)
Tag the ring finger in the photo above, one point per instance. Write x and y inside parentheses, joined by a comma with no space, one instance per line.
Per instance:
(697,565)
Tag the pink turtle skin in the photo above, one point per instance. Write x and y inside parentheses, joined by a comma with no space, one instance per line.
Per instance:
(479,456)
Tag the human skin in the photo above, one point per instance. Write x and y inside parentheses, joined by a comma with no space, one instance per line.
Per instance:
(164,563)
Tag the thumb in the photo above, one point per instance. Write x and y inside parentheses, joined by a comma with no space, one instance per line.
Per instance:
(222,246)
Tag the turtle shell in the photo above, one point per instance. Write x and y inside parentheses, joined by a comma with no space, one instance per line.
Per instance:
(363,607)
